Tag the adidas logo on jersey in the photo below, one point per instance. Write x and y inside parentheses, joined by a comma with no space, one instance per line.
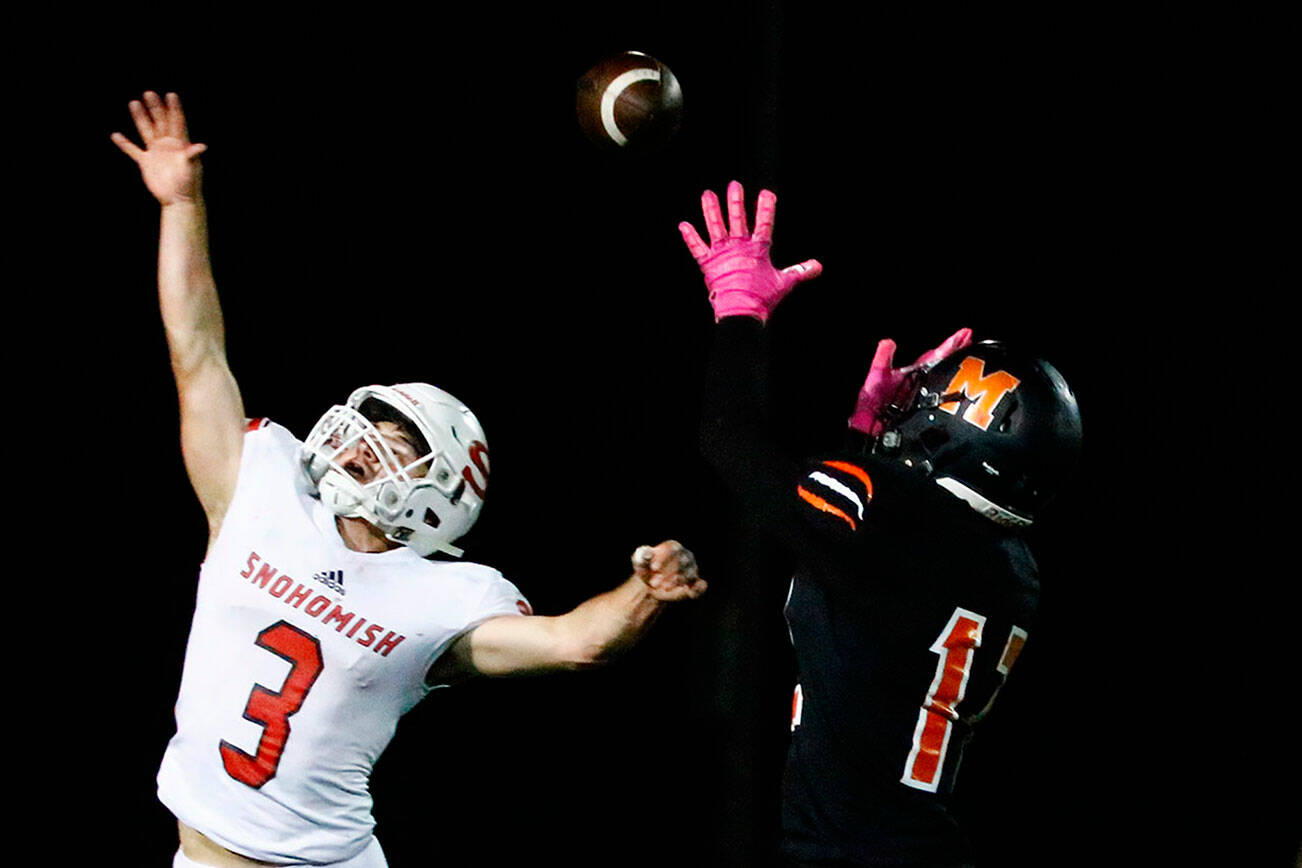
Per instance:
(332,579)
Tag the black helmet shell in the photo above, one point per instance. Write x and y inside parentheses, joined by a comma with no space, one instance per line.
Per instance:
(989,421)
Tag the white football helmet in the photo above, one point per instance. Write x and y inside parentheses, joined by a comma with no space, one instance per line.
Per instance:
(425,504)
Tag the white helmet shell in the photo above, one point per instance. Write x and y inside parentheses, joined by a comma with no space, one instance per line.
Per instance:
(426,504)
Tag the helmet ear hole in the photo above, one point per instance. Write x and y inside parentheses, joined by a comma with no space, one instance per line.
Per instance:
(431,518)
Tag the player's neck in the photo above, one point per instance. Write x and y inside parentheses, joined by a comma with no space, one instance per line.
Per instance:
(360,535)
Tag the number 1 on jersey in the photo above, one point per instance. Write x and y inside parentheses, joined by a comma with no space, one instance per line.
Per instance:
(272,709)
(955,646)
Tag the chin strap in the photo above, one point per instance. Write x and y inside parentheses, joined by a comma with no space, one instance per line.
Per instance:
(983,505)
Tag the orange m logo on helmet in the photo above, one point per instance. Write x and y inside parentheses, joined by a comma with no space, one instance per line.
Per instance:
(984,391)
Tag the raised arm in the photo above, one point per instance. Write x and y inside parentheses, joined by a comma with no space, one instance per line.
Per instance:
(744,289)
(592,634)
(212,412)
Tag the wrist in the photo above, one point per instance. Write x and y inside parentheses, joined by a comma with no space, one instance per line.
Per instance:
(640,591)
(645,600)
(182,203)
(738,303)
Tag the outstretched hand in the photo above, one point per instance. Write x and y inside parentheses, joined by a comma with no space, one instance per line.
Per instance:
(168,162)
(738,274)
(885,383)
(669,571)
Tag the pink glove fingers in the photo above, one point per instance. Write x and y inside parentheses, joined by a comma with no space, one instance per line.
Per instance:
(882,359)
(807,270)
(738,274)
(765,209)
(737,211)
(713,217)
(955,342)
(699,249)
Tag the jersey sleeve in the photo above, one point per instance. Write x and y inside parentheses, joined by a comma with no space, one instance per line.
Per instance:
(270,449)
(834,497)
(269,455)
(736,433)
(501,597)
(497,598)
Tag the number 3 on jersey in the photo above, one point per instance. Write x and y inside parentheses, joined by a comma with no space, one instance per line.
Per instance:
(956,646)
(272,709)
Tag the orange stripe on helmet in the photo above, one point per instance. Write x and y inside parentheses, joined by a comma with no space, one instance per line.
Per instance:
(984,391)
(820,503)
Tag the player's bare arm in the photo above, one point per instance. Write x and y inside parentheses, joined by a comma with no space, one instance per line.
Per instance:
(212,412)
(590,635)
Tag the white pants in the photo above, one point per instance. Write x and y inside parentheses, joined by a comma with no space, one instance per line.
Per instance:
(371,857)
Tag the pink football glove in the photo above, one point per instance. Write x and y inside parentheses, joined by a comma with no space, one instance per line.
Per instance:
(738,274)
(885,384)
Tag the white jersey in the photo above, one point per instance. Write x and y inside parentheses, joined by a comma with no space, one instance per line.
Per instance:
(302,656)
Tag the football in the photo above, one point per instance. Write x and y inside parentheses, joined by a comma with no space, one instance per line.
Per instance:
(629,102)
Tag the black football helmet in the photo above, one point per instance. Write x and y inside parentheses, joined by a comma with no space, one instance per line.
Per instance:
(999,430)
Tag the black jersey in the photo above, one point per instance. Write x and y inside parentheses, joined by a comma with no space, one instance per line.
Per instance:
(906,611)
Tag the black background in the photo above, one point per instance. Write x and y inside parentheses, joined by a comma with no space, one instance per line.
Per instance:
(410,198)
